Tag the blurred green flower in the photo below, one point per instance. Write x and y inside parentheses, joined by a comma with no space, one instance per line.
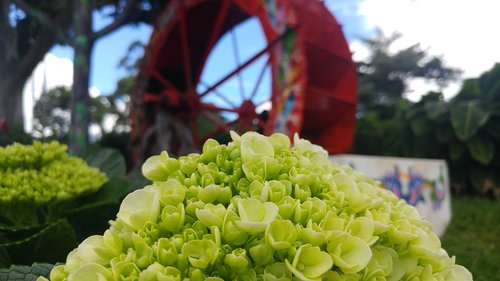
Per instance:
(42,175)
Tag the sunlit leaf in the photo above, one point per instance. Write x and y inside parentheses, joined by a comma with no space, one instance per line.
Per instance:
(467,117)
(481,148)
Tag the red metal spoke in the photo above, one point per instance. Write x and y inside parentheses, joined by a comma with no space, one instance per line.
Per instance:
(151,98)
(212,107)
(165,82)
(259,79)
(219,22)
(220,95)
(237,59)
(244,65)
(186,56)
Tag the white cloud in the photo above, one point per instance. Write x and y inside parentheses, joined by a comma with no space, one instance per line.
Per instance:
(94,92)
(49,73)
(463,33)
(359,50)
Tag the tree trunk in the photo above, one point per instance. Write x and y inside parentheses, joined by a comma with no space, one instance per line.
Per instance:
(80,99)
(16,67)
(11,101)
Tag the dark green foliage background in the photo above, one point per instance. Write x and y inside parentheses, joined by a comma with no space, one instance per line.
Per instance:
(465,131)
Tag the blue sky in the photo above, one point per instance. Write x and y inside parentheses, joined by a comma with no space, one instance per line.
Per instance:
(461,32)
(109,50)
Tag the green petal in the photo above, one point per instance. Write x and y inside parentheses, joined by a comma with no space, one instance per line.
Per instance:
(350,253)
(140,207)
(172,192)
(280,234)
(277,272)
(90,272)
(255,215)
(212,215)
(173,217)
(458,273)
(310,262)
(159,167)
(200,253)
(254,145)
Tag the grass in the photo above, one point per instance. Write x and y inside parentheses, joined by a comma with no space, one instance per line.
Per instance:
(473,236)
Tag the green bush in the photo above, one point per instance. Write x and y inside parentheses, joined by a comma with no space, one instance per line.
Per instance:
(49,201)
(465,131)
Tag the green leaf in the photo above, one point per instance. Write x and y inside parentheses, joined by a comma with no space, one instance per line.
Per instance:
(25,273)
(456,150)
(420,126)
(4,257)
(52,243)
(482,149)
(109,161)
(435,109)
(493,127)
(110,193)
(444,134)
(467,117)
(92,213)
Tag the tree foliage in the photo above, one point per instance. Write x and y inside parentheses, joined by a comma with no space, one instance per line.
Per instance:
(110,114)
(464,131)
(24,40)
(31,27)
(384,76)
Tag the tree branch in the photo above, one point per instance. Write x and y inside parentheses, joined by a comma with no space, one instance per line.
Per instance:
(119,21)
(27,63)
(8,46)
(43,19)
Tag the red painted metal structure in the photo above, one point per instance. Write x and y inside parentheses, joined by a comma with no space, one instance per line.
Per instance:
(313,88)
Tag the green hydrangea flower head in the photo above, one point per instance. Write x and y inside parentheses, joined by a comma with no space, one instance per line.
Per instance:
(40,175)
(260,208)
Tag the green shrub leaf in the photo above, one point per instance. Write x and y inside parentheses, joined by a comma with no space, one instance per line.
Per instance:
(482,149)
(435,109)
(109,161)
(467,117)
(51,244)
(25,273)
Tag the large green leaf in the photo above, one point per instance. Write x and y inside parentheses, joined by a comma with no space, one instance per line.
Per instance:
(420,126)
(467,117)
(456,150)
(109,161)
(482,149)
(492,128)
(91,213)
(435,109)
(444,134)
(25,273)
(51,243)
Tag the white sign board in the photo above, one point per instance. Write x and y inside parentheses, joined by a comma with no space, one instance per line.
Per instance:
(423,183)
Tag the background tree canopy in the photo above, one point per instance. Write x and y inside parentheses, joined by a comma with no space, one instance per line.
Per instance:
(383,78)
(30,28)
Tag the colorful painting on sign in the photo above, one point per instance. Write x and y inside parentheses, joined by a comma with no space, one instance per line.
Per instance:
(414,188)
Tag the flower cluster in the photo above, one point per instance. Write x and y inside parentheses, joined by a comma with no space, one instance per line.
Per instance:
(261,209)
(41,174)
